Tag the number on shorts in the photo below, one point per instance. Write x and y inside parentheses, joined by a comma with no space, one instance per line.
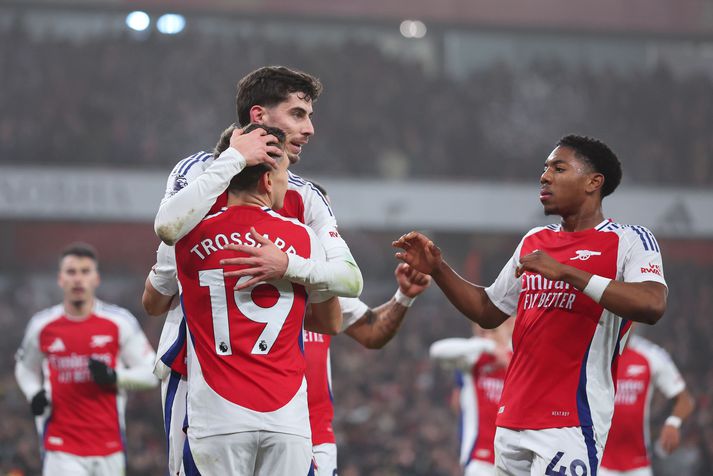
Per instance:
(562,470)
(272,317)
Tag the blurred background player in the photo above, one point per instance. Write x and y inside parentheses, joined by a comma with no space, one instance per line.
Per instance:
(247,392)
(575,286)
(643,367)
(480,363)
(74,365)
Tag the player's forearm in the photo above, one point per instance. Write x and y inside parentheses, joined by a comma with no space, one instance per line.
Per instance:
(471,300)
(379,325)
(182,212)
(136,378)
(639,302)
(325,318)
(338,278)
(154,303)
(29,380)
(684,405)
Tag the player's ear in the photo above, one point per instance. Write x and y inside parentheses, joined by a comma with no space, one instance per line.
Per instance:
(257,114)
(266,182)
(595,182)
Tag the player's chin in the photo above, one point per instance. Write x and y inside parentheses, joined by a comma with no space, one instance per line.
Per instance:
(294,158)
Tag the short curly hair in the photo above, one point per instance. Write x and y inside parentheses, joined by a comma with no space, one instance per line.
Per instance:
(599,156)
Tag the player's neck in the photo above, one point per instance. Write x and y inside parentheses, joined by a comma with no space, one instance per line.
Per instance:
(584,219)
(249,200)
(78,309)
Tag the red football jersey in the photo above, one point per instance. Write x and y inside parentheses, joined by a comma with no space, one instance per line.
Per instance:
(566,345)
(319,387)
(248,347)
(86,419)
(642,367)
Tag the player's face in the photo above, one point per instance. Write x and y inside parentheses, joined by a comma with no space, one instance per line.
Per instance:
(294,117)
(279,178)
(78,278)
(563,182)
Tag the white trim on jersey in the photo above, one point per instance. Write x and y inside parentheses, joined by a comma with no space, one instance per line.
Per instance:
(353,309)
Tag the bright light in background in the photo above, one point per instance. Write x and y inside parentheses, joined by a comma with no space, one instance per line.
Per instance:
(171,23)
(138,21)
(413,29)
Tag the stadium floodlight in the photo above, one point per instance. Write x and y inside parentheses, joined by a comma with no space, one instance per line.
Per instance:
(171,23)
(412,29)
(138,20)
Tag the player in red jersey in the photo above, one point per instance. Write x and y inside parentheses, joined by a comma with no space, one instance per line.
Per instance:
(74,365)
(643,366)
(247,393)
(480,362)
(576,287)
(372,328)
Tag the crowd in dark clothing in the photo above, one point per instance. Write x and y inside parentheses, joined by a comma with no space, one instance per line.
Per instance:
(392,410)
(118,101)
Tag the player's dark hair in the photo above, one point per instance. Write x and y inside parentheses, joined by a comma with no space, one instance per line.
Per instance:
(270,85)
(599,156)
(82,250)
(224,141)
(248,178)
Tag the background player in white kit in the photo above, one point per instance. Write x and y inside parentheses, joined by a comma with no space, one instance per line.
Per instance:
(576,287)
(74,365)
(247,392)
(480,362)
(643,367)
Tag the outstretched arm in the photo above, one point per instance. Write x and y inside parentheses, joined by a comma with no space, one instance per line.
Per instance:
(338,277)
(379,325)
(471,300)
(181,212)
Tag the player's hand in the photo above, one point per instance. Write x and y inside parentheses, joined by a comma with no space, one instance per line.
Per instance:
(101,373)
(39,402)
(265,263)
(541,263)
(254,147)
(411,282)
(419,252)
(670,438)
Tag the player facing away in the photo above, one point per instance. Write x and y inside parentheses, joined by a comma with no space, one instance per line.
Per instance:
(247,393)
(643,367)
(74,365)
(480,364)
(576,287)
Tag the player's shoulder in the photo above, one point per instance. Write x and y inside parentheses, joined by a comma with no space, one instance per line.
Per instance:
(648,349)
(42,318)
(117,314)
(554,227)
(304,187)
(631,234)
(287,221)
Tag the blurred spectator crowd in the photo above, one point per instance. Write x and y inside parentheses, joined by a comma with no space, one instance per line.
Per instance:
(118,101)
(392,406)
